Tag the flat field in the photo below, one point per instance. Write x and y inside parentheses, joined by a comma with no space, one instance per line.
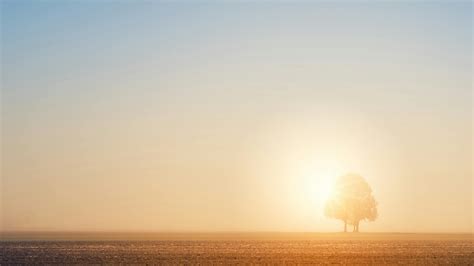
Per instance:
(236,248)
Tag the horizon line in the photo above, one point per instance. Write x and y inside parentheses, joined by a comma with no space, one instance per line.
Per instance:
(227,232)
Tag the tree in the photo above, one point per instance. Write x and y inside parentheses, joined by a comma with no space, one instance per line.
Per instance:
(351,201)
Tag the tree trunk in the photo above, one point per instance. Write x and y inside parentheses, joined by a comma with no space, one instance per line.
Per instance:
(357,226)
(345,226)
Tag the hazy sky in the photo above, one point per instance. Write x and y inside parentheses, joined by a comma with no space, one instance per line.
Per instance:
(235,116)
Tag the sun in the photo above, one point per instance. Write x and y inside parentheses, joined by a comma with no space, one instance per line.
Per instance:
(318,186)
(322,187)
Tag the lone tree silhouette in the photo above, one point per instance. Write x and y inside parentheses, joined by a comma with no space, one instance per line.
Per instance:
(351,201)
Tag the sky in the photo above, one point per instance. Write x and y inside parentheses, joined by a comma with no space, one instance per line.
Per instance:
(235,116)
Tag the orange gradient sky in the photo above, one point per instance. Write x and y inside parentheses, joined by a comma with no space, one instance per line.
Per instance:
(234,117)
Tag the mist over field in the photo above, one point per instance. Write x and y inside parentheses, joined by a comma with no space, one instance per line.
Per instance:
(236,132)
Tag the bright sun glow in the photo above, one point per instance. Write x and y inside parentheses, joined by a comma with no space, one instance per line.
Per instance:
(318,185)
(323,188)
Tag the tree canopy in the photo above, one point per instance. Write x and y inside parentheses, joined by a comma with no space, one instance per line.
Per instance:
(351,201)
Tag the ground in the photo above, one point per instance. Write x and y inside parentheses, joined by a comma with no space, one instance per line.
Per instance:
(237,248)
